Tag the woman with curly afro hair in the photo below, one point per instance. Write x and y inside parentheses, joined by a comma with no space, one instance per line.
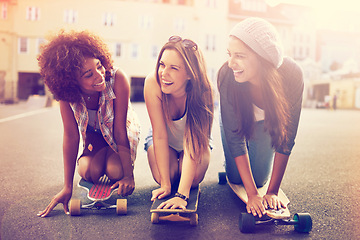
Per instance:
(94,103)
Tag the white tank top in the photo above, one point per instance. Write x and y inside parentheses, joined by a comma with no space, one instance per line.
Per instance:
(259,113)
(93,120)
(176,133)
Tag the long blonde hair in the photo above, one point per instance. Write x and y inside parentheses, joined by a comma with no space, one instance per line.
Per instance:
(199,104)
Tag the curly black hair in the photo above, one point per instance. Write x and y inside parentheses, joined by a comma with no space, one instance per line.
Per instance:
(62,58)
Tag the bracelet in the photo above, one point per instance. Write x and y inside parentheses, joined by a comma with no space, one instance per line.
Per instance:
(181,196)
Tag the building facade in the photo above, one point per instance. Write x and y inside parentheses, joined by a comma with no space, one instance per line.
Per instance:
(135,30)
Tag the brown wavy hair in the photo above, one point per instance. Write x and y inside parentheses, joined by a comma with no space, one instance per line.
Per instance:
(62,58)
(276,107)
(199,104)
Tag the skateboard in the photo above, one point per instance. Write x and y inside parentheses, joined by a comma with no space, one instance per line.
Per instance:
(302,222)
(177,215)
(98,196)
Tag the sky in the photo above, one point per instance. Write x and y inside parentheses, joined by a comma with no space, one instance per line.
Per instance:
(323,5)
(329,13)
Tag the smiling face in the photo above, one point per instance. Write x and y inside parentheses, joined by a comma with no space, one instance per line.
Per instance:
(243,61)
(172,73)
(92,76)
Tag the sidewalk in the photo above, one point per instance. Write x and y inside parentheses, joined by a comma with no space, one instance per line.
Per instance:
(34,103)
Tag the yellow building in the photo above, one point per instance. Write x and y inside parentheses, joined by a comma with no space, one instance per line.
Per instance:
(134,31)
(345,90)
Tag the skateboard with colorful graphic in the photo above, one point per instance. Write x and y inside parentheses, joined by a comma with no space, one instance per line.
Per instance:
(98,196)
(177,215)
(302,222)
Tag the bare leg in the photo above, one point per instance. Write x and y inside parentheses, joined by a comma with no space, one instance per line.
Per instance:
(201,168)
(97,166)
(114,168)
(173,161)
(84,168)
(91,168)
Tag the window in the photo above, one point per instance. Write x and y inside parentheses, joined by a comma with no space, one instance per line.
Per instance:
(154,52)
(109,19)
(32,13)
(210,42)
(253,5)
(179,25)
(70,16)
(23,45)
(211,3)
(134,51)
(118,50)
(4,11)
(146,22)
(40,41)
(212,75)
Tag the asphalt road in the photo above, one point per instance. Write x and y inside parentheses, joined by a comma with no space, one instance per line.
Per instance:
(322,178)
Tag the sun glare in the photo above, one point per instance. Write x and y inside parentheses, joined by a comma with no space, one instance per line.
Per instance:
(329,14)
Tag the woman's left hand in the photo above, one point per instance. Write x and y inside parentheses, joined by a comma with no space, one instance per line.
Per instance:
(174,203)
(273,201)
(126,186)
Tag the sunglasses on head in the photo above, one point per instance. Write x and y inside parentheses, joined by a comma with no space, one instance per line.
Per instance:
(185,42)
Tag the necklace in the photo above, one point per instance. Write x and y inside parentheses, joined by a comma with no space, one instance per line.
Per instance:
(88,97)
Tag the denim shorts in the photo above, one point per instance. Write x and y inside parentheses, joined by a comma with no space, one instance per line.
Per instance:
(149,141)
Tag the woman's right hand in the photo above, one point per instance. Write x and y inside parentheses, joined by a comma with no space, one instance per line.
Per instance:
(62,197)
(160,193)
(255,205)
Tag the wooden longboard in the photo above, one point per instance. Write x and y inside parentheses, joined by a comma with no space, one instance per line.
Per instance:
(282,213)
(98,196)
(100,191)
(302,222)
(177,215)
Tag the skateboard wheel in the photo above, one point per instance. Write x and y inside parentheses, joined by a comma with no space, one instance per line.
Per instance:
(155,217)
(304,222)
(74,207)
(194,219)
(121,206)
(222,178)
(246,223)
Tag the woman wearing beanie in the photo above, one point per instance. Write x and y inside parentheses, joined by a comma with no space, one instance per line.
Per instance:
(260,99)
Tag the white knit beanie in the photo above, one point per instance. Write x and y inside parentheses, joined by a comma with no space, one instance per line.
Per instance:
(261,37)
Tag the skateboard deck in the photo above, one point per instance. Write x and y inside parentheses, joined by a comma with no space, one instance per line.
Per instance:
(302,221)
(98,196)
(281,213)
(177,215)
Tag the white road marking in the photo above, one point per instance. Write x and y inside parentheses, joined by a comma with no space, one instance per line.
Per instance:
(23,115)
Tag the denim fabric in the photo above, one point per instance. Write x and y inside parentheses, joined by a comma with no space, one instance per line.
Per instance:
(261,156)
(148,140)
